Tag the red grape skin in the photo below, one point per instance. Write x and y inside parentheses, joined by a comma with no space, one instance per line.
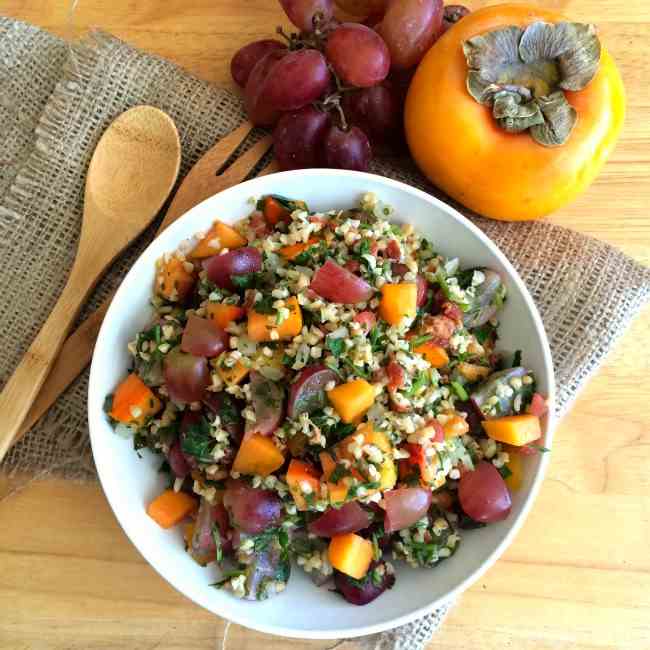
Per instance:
(259,109)
(301,12)
(298,138)
(246,58)
(296,80)
(410,28)
(347,149)
(377,111)
(358,54)
(483,494)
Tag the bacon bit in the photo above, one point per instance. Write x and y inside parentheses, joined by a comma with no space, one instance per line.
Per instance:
(393,250)
(366,319)
(396,406)
(396,375)
(453,311)
(440,432)
(352,265)
(317,219)
(311,294)
(399,269)
(440,327)
(374,248)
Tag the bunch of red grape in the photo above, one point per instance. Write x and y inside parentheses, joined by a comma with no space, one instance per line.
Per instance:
(334,90)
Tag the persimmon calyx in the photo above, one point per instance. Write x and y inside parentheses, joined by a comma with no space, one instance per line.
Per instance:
(522,75)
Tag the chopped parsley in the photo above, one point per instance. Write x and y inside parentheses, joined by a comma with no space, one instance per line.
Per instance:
(246,280)
(339,472)
(459,390)
(377,338)
(505,471)
(264,305)
(198,441)
(336,346)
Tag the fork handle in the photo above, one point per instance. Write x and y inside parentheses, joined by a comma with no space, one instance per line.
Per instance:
(23,385)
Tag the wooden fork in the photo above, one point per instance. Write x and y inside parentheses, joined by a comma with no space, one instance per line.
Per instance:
(201,182)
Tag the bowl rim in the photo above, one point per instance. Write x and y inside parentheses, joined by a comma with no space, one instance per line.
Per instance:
(251,622)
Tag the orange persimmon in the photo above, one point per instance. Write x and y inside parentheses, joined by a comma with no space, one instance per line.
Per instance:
(352,399)
(133,401)
(350,554)
(434,354)
(292,251)
(515,430)
(257,454)
(260,326)
(218,237)
(459,146)
(170,508)
(300,475)
(398,301)
(222,314)
(174,280)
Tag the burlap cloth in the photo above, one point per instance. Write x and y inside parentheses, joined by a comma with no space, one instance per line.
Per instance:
(56,101)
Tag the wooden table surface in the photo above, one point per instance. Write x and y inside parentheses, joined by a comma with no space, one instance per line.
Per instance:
(578,574)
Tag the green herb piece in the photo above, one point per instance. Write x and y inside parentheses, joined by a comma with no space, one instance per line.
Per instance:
(421,379)
(417,341)
(542,450)
(198,441)
(247,280)
(336,346)
(357,370)
(505,472)
(228,412)
(216,536)
(459,390)
(108,404)
(262,541)
(377,338)
(227,575)
(264,305)
(484,332)
(338,473)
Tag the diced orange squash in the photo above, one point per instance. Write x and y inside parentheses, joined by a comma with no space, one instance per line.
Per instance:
(222,314)
(350,554)
(234,375)
(174,280)
(302,476)
(260,326)
(220,236)
(134,402)
(455,426)
(338,492)
(291,252)
(516,466)
(434,354)
(517,430)
(352,399)
(398,301)
(258,454)
(170,508)
(274,211)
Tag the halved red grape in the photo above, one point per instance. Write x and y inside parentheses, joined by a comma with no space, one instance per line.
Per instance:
(410,28)
(377,111)
(252,510)
(302,12)
(336,284)
(228,410)
(296,79)
(307,393)
(267,401)
(347,149)
(246,57)
(364,591)
(422,288)
(404,507)
(202,338)
(177,461)
(483,494)
(186,376)
(259,109)
(203,545)
(298,138)
(241,261)
(349,518)
(358,55)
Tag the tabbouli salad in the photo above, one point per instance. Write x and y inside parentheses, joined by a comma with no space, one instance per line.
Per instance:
(325,388)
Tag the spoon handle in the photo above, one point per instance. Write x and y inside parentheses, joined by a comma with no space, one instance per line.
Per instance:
(23,385)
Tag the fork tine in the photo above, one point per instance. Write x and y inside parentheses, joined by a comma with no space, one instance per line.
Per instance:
(196,186)
(244,164)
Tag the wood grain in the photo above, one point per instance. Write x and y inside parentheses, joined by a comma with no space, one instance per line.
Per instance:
(130,176)
(577,576)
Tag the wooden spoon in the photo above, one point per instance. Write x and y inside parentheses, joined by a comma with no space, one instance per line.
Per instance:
(130,176)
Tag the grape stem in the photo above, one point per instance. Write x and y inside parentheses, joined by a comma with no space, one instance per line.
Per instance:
(334,101)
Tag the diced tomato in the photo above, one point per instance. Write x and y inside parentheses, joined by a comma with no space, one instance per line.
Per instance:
(396,375)
(352,265)
(366,319)
(537,406)
(440,432)
(274,211)
(393,250)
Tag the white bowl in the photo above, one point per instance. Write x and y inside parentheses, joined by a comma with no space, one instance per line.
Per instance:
(130,482)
